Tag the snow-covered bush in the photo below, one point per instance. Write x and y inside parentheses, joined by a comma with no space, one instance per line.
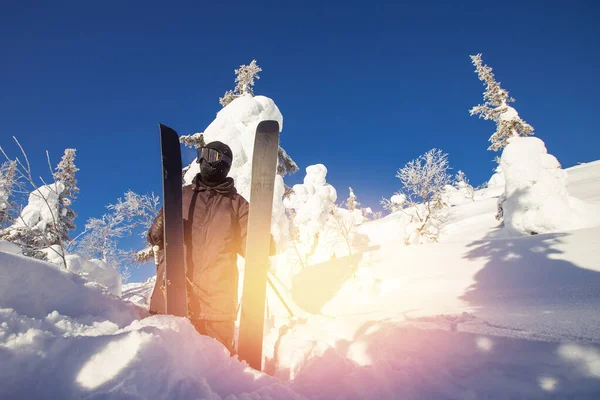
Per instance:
(536,199)
(310,205)
(320,229)
(424,180)
(394,203)
(460,192)
(496,108)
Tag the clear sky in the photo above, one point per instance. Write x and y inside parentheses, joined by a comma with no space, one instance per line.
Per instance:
(364,86)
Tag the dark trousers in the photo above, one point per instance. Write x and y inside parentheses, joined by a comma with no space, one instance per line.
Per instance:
(220,330)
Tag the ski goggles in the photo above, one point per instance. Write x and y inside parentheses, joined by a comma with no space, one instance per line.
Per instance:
(212,155)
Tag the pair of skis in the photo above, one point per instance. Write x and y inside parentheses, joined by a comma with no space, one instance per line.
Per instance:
(264,163)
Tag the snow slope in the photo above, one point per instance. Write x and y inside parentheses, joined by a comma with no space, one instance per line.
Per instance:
(475,316)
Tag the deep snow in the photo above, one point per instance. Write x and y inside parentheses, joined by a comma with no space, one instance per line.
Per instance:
(477,315)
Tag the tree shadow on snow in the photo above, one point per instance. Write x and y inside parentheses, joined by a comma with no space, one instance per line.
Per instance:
(527,269)
(389,360)
(527,284)
(314,286)
(317,284)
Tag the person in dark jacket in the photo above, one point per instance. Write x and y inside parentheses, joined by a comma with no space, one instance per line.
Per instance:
(215,222)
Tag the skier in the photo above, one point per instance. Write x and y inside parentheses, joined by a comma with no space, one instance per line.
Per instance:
(215,223)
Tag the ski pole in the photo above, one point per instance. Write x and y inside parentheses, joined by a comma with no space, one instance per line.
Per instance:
(279,295)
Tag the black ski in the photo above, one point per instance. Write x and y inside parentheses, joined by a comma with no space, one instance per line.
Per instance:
(175,279)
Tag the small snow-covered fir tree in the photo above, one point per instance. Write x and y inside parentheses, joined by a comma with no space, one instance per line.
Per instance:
(496,108)
(244,78)
(8,181)
(462,184)
(65,174)
(351,203)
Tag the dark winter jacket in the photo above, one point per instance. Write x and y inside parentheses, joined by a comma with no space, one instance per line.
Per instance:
(215,222)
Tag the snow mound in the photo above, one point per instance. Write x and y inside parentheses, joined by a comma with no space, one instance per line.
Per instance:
(41,209)
(9,247)
(94,270)
(36,288)
(63,337)
(235,125)
(536,196)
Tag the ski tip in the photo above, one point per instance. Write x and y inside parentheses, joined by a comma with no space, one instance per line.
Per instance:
(164,129)
(269,126)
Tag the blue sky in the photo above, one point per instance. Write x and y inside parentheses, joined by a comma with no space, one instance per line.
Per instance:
(364,87)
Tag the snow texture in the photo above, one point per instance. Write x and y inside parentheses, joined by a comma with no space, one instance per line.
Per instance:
(537,200)
(235,125)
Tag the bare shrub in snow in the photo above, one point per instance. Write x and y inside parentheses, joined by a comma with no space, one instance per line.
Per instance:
(101,237)
(244,78)
(344,223)
(496,108)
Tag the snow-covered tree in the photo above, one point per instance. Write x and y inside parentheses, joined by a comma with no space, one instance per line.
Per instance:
(310,205)
(35,229)
(394,203)
(351,203)
(8,182)
(38,226)
(285,164)
(536,199)
(244,79)
(496,108)
(320,228)
(65,174)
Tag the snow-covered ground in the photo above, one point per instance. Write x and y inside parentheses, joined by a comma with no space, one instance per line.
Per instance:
(477,315)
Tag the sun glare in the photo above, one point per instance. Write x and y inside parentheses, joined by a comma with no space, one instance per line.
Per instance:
(108,362)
